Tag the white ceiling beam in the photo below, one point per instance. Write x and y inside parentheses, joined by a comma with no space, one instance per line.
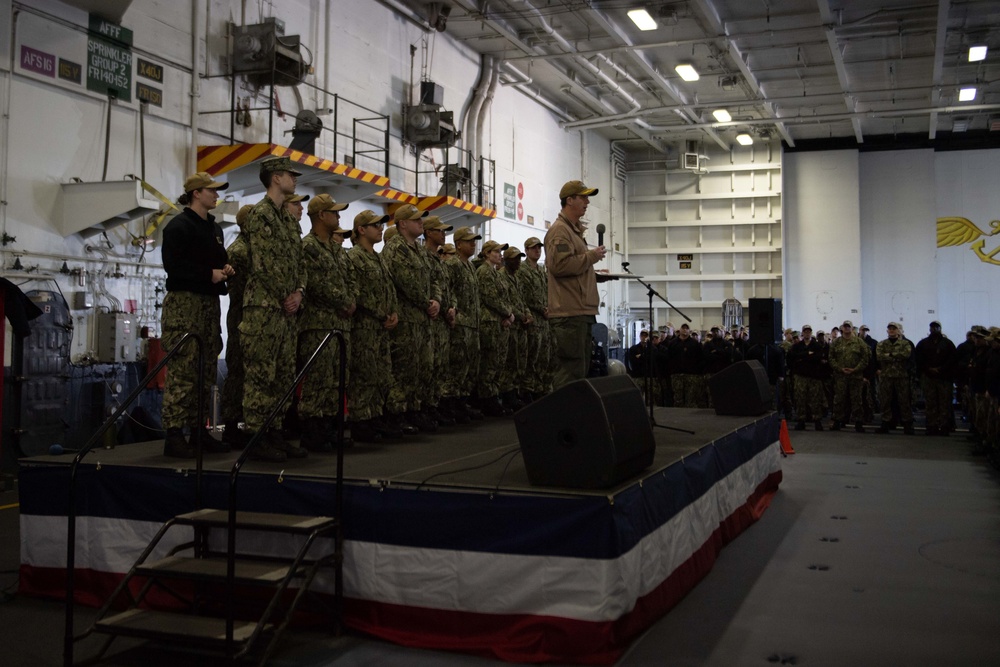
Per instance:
(939,39)
(716,24)
(826,16)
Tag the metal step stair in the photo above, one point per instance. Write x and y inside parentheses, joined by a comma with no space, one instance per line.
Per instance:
(200,580)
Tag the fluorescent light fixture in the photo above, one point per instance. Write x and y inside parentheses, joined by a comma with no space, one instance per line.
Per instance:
(966,94)
(977,53)
(722,115)
(642,19)
(744,139)
(687,72)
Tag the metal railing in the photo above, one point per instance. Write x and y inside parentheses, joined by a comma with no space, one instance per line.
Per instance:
(339,492)
(94,439)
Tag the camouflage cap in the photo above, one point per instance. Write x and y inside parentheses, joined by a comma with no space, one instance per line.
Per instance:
(297,198)
(389,233)
(847,323)
(433,223)
(571,188)
(807,326)
(893,325)
(492,245)
(409,212)
(512,252)
(273,164)
(203,180)
(466,234)
(324,202)
(447,249)
(369,217)
(243,214)
(532,242)
(935,323)
(341,231)
(820,333)
(788,331)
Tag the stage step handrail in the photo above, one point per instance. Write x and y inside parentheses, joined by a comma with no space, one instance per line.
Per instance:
(338,493)
(94,439)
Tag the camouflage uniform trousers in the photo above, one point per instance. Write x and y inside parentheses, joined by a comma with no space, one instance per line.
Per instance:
(441,349)
(412,366)
(370,362)
(321,384)
(897,388)
(572,347)
(268,336)
(786,391)
(869,391)
(992,424)
(463,365)
(535,363)
(938,397)
(512,375)
(494,340)
(982,412)
(847,388)
(689,390)
(810,398)
(200,314)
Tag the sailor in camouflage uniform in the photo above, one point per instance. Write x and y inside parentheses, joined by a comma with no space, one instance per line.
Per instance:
(232,390)
(434,231)
(197,269)
(376,316)
(513,377)
(419,300)
(848,359)
(274,292)
(496,315)
(463,367)
(532,284)
(331,302)
(894,354)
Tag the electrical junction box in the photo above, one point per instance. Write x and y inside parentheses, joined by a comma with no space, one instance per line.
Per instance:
(116,338)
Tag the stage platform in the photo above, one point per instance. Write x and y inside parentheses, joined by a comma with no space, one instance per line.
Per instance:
(447,546)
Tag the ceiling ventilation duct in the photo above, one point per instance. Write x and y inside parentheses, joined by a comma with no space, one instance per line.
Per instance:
(266,55)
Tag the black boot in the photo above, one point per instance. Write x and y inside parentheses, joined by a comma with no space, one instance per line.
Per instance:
(800,426)
(402,424)
(233,436)
(263,450)
(314,438)
(492,407)
(386,428)
(465,404)
(511,401)
(440,414)
(859,427)
(908,428)
(818,425)
(364,431)
(836,425)
(331,426)
(176,446)
(422,421)
(456,410)
(208,443)
(276,440)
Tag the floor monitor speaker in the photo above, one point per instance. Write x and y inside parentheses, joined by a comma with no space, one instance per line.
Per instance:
(589,434)
(741,389)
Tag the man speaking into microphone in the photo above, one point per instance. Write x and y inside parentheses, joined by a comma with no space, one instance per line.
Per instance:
(573,298)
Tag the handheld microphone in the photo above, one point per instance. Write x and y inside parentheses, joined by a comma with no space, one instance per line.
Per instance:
(625,266)
(600,233)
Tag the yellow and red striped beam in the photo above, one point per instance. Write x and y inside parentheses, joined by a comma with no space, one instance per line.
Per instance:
(221,159)
(431,203)
(396,195)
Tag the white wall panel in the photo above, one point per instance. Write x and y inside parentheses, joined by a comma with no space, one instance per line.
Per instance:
(822,235)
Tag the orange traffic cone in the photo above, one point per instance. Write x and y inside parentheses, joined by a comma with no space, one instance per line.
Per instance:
(786,442)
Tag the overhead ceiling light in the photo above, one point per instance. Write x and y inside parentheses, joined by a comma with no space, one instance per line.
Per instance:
(687,72)
(977,53)
(966,94)
(744,139)
(722,115)
(642,19)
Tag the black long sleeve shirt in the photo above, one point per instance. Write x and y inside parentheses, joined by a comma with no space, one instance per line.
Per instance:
(192,247)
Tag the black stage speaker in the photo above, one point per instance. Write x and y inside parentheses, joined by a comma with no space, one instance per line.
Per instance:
(589,434)
(765,321)
(741,389)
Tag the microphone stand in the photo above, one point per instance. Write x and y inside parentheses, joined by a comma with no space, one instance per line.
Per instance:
(650,293)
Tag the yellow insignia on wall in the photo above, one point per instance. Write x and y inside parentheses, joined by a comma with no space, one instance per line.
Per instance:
(959,231)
